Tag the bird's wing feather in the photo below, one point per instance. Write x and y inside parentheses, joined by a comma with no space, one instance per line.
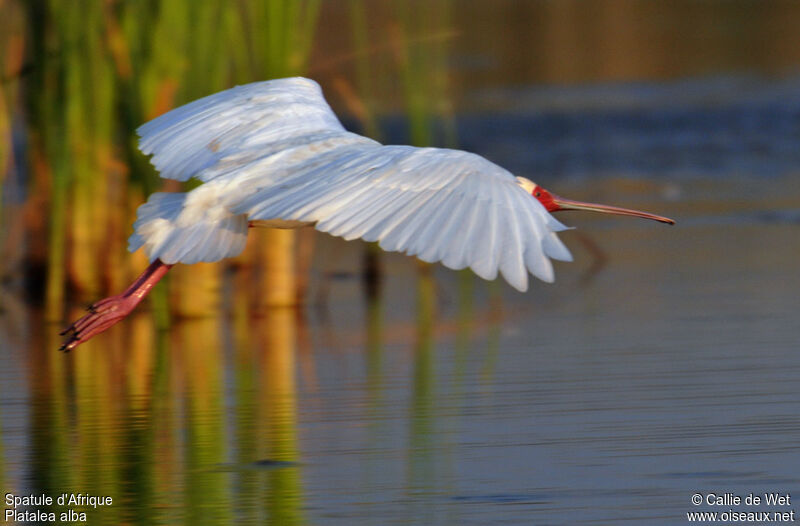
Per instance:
(237,125)
(437,204)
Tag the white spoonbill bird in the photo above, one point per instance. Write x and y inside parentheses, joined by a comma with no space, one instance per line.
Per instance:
(274,154)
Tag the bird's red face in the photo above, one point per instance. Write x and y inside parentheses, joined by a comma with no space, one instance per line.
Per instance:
(554,203)
(546,198)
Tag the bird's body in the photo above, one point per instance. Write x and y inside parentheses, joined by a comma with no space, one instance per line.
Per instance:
(274,154)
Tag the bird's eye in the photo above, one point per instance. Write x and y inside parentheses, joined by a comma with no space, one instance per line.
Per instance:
(537,194)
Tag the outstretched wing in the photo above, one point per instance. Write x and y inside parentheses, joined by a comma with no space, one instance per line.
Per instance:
(436,204)
(243,122)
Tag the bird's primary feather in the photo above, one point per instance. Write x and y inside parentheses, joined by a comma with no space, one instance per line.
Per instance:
(275,150)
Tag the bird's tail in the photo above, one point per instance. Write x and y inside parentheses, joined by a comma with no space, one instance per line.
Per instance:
(173,228)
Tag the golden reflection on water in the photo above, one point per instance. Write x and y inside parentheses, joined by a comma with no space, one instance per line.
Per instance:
(198,358)
(195,424)
(277,411)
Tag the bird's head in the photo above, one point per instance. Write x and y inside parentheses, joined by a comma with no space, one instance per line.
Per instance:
(554,203)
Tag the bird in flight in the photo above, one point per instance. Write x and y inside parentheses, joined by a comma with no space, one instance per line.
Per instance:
(274,154)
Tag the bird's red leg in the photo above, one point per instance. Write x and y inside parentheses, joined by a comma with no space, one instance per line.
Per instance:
(109,311)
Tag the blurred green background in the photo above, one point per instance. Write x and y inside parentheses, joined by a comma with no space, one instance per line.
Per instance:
(79,77)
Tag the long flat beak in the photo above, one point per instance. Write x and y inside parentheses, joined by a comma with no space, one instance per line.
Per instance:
(569,204)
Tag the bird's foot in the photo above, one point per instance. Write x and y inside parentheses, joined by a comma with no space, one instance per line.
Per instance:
(101,316)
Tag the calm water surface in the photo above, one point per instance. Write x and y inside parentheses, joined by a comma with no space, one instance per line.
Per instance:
(664,362)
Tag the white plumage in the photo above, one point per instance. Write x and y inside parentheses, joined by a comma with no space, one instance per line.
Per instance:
(275,151)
